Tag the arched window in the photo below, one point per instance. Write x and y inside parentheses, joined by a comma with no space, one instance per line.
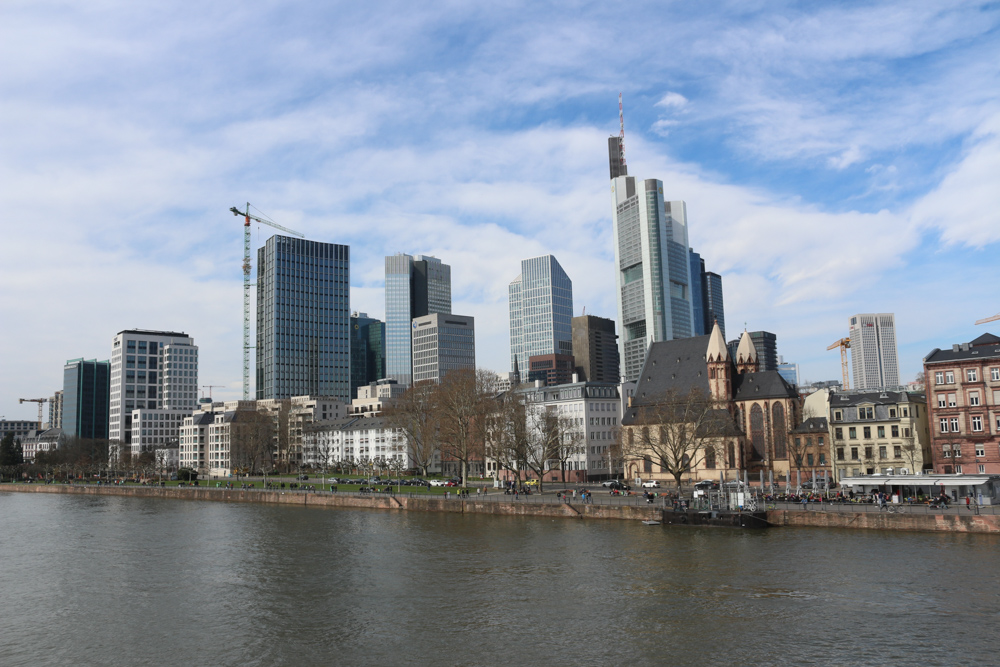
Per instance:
(710,457)
(647,464)
(731,454)
(757,431)
(779,435)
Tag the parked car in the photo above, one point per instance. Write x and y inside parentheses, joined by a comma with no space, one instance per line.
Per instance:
(302,477)
(651,484)
(531,482)
(610,483)
(615,485)
(438,482)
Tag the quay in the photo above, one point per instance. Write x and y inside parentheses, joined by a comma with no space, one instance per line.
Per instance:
(629,508)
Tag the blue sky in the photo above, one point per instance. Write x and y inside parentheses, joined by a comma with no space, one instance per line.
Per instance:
(835,158)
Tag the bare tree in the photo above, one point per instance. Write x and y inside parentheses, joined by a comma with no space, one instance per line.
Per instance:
(463,402)
(251,441)
(678,431)
(414,414)
(507,432)
(911,454)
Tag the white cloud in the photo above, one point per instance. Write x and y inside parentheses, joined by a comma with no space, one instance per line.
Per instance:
(672,101)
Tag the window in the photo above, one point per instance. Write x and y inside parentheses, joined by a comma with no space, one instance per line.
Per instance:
(895,431)
(942,400)
(995,374)
(838,416)
(971,374)
(869,453)
(897,452)
(892,413)
(809,460)
(951,401)
(868,432)
(958,470)
(854,453)
(939,377)
(882,452)
(949,377)
(840,453)
(954,424)
(852,433)
(957,450)
(819,441)
(980,450)
(881,431)
(946,451)
(822,459)
(866,413)
(944,425)
(973,398)
(838,432)
(977,423)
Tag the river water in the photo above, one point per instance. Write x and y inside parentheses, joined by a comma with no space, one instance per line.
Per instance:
(123,581)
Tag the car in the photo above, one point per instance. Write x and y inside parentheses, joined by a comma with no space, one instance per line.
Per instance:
(610,483)
(438,482)
(302,478)
(651,484)
(707,485)
(615,485)
(531,482)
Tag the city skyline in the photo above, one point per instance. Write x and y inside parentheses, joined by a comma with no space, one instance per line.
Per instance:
(823,174)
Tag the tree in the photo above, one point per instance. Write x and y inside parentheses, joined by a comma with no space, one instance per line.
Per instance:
(463,402)
(251,441)
(797,447)
(507,432)
(678,431)
(912,453)
(414,414)
(11,455)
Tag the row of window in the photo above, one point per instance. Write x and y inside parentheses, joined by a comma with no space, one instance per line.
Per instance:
(852,432)
(883,452)
(971,375)
(951,424)
(955,451)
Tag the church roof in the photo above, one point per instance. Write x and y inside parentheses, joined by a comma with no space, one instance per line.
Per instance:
(763,384)
(673,365)
(717,350)
(746,350)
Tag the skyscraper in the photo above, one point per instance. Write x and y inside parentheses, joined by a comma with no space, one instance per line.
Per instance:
(367,351)
(765,344)
(595,349)
(541,311)
(303,319)
(86,393)
(653,269)
(697,296)
(874,359)
(414,286)
(442,342)
(712,306)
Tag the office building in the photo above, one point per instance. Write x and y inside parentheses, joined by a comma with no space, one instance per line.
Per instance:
(706,297)
(595,349)
(415,286)
(55,410)
(154,371)
(788,371)
(85,398)
(766,346)
(303,319)
(367,351)
(653,269)
(874,360)
(541,311)
(551,369)
(19,427)
(442,342)
(697,296)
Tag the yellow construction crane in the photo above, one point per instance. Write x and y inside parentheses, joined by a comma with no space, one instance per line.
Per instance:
(989,319)
(844,344)
(41,402)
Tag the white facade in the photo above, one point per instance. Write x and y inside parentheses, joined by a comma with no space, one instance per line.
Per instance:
(150,370)
(653,276)
(357,440)
(874,358)
(442,343)
(153,429)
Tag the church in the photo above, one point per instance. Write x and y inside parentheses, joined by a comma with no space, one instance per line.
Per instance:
(744,422)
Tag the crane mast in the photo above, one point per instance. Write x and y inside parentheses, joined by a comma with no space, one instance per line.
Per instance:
(247,285)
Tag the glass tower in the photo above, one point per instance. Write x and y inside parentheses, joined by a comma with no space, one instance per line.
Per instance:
(414,286)
(874,359)
(303,319)
(541,311)
(86,396)
(367,351)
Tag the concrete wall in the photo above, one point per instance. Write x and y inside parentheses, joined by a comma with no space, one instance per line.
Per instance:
(962,523)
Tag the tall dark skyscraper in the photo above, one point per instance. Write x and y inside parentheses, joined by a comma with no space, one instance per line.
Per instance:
(766,345)
(706,297)
(367,351)
(616,160)
(595,349)
(415,286)
(697,297)
(86,397)
(303,319)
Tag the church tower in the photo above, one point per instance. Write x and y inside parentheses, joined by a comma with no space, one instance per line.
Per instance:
(746,355)
(719,366)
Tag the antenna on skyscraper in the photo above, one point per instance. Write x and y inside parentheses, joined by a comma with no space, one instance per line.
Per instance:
(621,135)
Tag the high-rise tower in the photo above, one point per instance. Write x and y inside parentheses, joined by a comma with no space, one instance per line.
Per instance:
(541,311)
(414,286)
(303,319)
(874,359)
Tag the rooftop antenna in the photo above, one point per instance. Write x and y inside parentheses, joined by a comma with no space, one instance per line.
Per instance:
(621,135)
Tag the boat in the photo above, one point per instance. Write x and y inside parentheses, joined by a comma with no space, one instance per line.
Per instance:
(651,522)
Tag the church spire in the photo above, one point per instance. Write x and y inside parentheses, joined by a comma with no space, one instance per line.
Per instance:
(717,350)
(746,355)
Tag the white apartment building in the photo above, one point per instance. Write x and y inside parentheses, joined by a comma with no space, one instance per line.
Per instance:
(155,371)
(358,440)
(874,359)
(373,398)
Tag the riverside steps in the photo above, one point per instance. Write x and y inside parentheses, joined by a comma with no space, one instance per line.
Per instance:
(632,508)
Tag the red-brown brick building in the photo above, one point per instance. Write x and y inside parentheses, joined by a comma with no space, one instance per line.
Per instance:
(963,399)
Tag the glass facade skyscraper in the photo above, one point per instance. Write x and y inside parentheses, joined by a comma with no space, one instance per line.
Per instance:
(874,358)
(414,286)
(367,351)
(303,319)
(541,311)
(697,296)
(86,398)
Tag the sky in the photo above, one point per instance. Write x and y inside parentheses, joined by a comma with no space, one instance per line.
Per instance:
(836,158)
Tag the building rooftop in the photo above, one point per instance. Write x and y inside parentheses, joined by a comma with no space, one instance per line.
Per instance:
(986,346)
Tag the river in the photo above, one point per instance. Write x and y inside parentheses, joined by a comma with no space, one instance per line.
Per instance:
(123,581)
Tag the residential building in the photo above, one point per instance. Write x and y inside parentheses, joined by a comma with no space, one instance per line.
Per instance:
(375,397)
(367,351)
(155,429)
(415,286)
(541,311)
(442,343)
(56,410)
(85,398)
(754,410)
(595,349)
(963,395)
(153,371)
(551,369)
(809,453)
(357,441)
(653,271)
(291,417)
(303,319)
(877,432)
(766,344)
(44,440)
(874,360)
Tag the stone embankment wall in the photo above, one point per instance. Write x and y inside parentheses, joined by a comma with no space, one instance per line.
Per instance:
(385,502)
(955,523)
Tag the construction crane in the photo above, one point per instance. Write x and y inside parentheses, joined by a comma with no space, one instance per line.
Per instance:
(247,285)
(844,344)
(210,387)
(989,319)
(40,401)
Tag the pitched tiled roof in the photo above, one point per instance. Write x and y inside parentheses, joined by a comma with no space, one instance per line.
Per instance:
(673,365)
(812,425)
(763,384)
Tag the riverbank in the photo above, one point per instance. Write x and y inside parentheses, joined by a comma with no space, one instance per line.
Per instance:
(502,506)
